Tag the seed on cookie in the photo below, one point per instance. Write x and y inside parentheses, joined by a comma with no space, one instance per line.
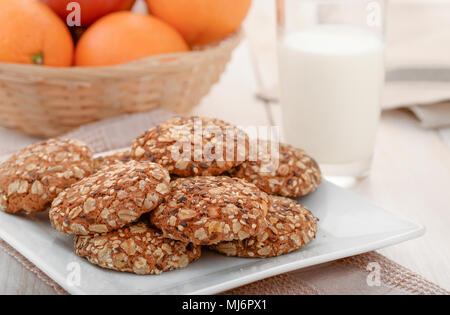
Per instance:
(34,176)
(193,146)
(280,170)
(290,227)
(110,199)
(137,249)
(206,210)
(117,157)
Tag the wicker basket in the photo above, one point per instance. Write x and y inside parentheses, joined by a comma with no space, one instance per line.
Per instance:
(46,101)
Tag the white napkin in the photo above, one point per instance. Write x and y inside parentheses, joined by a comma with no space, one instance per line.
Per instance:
(445,135)
(418,59)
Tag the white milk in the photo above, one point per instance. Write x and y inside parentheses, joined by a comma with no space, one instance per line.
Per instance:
(331,80)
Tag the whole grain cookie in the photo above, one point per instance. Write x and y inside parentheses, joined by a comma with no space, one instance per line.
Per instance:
(101,162)
(293,174)
(290,227)
(206,210)
(137,249)
(110,199)
(193,146)
(34,176)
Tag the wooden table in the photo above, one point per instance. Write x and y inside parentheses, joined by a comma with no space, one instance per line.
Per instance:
(410,176)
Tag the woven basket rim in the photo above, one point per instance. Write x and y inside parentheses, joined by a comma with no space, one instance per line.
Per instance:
(174,61)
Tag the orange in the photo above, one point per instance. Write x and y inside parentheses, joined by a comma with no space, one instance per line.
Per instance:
(125,36)
(201,21)
(31,33)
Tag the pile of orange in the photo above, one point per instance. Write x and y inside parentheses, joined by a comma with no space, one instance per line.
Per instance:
(35,34)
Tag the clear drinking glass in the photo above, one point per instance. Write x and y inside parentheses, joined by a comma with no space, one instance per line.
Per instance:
(331,61)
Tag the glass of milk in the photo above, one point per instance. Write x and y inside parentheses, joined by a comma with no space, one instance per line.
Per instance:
(331,67)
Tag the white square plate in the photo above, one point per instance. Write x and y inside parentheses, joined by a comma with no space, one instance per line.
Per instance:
(348,226)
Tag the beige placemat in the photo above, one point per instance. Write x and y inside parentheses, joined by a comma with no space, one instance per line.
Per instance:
(365,274)
(345,276)
(106,135)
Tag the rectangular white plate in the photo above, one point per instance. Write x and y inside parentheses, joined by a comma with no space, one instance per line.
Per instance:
(348,226)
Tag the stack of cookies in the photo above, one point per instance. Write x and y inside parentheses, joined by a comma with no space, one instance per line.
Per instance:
(187,183)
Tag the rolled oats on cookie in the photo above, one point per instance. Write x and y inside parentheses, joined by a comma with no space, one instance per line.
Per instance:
(101,162)
(137,249)
(290,227)
(34,176)
(110,199)
(206,210)
(193,146)
(292,174)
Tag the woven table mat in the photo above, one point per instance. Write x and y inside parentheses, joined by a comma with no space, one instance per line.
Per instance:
(345,276)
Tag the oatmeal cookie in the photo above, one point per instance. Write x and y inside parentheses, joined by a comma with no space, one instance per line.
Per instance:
(206,210)
(290,227)
(193,146)
(110,199)
(137,249)
(293,174)
(34,176)
(104,161)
